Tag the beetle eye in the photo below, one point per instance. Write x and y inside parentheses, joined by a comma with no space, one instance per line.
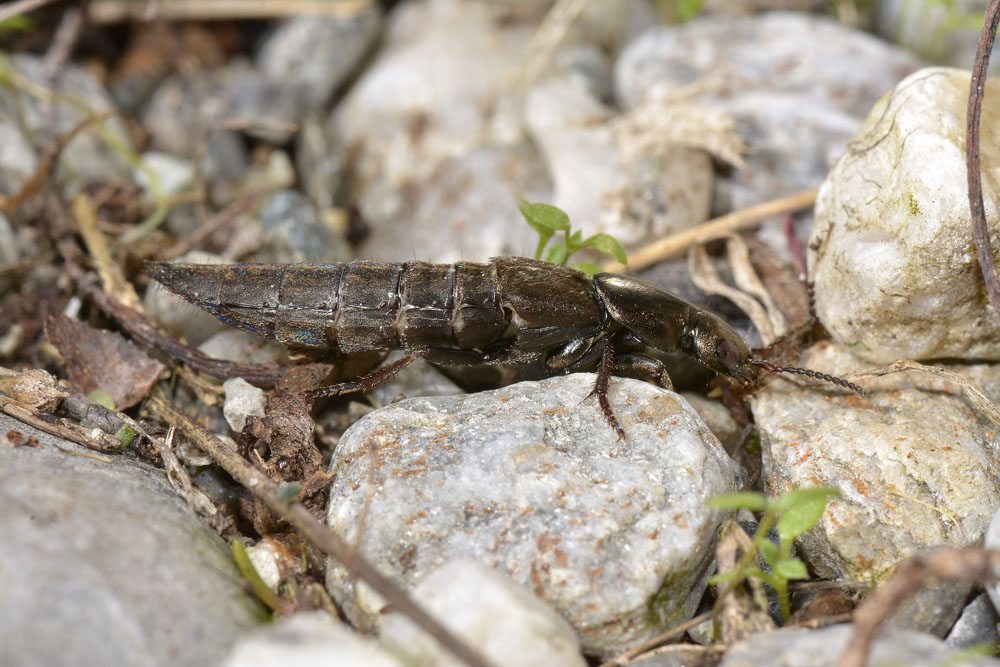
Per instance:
(728,355)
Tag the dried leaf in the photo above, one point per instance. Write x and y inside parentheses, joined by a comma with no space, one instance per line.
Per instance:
(704,275)
(36,388)
(742,610)
(103,360)
(663,122)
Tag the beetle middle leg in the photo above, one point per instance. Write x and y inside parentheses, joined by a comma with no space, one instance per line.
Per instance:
(371,380)
(602,355)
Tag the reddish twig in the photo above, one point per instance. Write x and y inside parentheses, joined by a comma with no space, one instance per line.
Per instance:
(980,230)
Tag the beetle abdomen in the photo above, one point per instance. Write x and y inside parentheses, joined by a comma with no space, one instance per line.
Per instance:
(349,307)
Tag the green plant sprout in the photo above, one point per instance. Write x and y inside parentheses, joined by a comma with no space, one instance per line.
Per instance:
(792,514)
(547,220)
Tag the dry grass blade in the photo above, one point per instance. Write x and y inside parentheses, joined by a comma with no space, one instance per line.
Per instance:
(547,38)
(746,278)
(628,656)
(310,528)
(971,391)
(677,244)
(113,281)
(114,11)
(704,275)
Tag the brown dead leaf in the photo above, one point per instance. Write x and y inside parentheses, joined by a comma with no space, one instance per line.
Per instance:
(36,388)
(741,608)
(103,360)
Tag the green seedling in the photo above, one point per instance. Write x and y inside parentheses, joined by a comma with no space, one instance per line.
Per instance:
(547,220)
(792,514)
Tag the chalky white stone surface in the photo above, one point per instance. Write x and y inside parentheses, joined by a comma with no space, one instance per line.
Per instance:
(891,252)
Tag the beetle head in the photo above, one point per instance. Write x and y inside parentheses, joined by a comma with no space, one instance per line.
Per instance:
(717,345)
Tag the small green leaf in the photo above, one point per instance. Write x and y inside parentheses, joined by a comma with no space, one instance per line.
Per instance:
(756,572)
(556,255)
(791,568)
(723,577)
(589,268)
(769,550)
(249,572)
(125,435)
(797,496)
(607,244)
(575,239)
(101,397)
(18,23)
(750,500)
(799,519)
(688,9)
(544,216)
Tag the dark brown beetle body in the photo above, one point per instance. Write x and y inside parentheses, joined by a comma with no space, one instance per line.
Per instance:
(509,310)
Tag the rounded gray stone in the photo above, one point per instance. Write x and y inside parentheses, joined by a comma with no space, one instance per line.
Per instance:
(103,564)
(531,480)
(798,647)
(916,464)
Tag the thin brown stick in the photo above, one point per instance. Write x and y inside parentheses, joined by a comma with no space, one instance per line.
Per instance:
(220,220)
(677,244)
(977,84)
(969,564)
(320,535)
(91,438)
(655,642)
(114,11)
(48,159)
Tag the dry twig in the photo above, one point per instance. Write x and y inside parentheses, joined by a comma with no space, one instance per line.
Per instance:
(300,518)
(677,244)
(114,11)
(969,564)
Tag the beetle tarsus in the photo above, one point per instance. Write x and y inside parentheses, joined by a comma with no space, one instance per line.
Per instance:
(604,371)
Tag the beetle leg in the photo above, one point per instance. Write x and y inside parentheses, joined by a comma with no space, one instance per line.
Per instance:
(571,354)
(604,371)
(643,367)
(367,382)
(542,339)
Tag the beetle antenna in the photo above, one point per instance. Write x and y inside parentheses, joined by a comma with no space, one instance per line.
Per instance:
(768,366)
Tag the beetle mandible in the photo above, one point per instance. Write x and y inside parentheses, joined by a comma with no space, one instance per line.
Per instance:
(510,310)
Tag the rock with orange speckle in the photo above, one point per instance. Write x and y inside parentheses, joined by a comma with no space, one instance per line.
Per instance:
(531,480)
(915,460)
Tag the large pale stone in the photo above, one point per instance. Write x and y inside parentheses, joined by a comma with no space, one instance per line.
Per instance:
(892,253)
